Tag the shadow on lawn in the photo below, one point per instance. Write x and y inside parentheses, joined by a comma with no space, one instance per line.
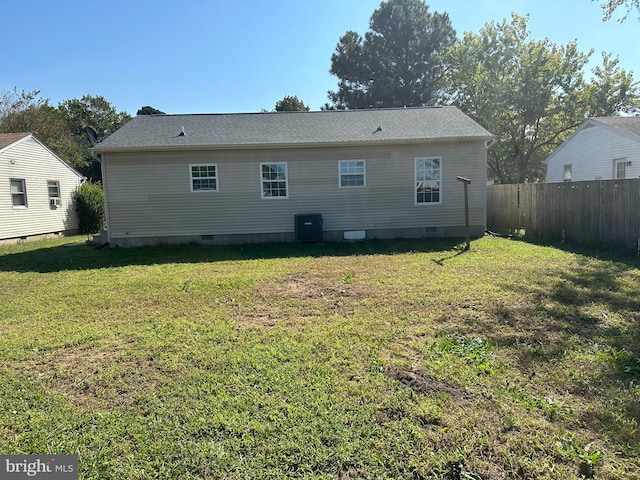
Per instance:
(600,252)
(83,256)
(590,310)
(566,298)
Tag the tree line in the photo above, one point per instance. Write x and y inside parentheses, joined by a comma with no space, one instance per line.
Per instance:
(530,93)
(63,127)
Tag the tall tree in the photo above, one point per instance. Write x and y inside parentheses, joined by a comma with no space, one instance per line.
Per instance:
(95,112)
(148,110)
(62,128)
(531,94)
(291,104)
(610,6)
(12,101)
(400,61)
(25,112)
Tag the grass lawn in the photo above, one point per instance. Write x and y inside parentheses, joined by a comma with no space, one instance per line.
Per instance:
(403,359)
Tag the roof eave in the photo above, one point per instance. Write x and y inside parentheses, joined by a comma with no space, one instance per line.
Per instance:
(43,145)
(16,142)
(614,128)
(258,146)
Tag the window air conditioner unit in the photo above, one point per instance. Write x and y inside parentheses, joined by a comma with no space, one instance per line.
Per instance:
(55,202)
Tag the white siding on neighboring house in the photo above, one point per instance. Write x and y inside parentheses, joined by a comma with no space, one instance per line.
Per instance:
(149,194)
(592,153)
(28,160)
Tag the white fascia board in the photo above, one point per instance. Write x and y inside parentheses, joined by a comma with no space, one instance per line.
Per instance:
(17,142)
(75,172)
(561,146)
(32,136)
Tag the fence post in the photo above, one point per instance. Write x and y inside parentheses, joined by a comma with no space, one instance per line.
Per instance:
(466,182)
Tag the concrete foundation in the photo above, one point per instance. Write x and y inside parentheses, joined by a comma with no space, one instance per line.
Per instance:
(289,237)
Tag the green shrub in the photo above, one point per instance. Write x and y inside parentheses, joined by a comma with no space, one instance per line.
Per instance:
(89,205)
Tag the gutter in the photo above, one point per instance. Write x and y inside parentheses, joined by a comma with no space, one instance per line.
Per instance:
(272,146)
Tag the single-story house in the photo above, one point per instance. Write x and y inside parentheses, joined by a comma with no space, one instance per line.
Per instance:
(602,148)
(37,187)
(294,176)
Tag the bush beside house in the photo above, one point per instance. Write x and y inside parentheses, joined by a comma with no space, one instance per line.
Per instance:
(89,204)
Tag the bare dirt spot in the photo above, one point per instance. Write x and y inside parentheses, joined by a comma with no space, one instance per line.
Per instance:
(421,383)
(305,295)
(306,286)
(96,377)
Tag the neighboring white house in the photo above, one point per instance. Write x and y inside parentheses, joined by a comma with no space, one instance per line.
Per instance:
(602,148)
(35,189)
(287,176)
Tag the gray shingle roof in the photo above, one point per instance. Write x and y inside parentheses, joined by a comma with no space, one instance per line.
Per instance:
(161,132)
(628,124)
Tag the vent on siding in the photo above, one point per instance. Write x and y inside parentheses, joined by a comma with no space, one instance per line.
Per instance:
(206,238)
(355,235)
(431,230)
(308,228)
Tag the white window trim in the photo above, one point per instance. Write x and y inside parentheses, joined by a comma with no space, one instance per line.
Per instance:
(364,174)
(564,173)
(616,161)
(217,177)
(415,176)
(286,181)
(24,192)
(58,185)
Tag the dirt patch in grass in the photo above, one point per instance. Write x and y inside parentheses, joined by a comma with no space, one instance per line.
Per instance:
(307,286)
(70,356)
(422,383)
(303,295)
(94,377)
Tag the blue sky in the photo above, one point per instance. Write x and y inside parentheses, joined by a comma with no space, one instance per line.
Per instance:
(199,56)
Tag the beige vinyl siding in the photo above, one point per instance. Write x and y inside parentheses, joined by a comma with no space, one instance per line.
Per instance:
(591,153)
(149,194)
(30,161)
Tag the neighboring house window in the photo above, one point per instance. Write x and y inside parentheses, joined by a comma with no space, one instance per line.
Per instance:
(428,182)
(18,192)
(204,177)
(53,187)
(567,173)
(620,168)
(352,173)
(274,180)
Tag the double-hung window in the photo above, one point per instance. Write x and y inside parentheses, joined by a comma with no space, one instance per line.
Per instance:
(204,177)
(53,188)
(274,180)
(567,173)
(620,168)
(18,193)
(428,173)
(352,173)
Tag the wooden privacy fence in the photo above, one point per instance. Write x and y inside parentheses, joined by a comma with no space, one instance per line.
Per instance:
(599,212)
